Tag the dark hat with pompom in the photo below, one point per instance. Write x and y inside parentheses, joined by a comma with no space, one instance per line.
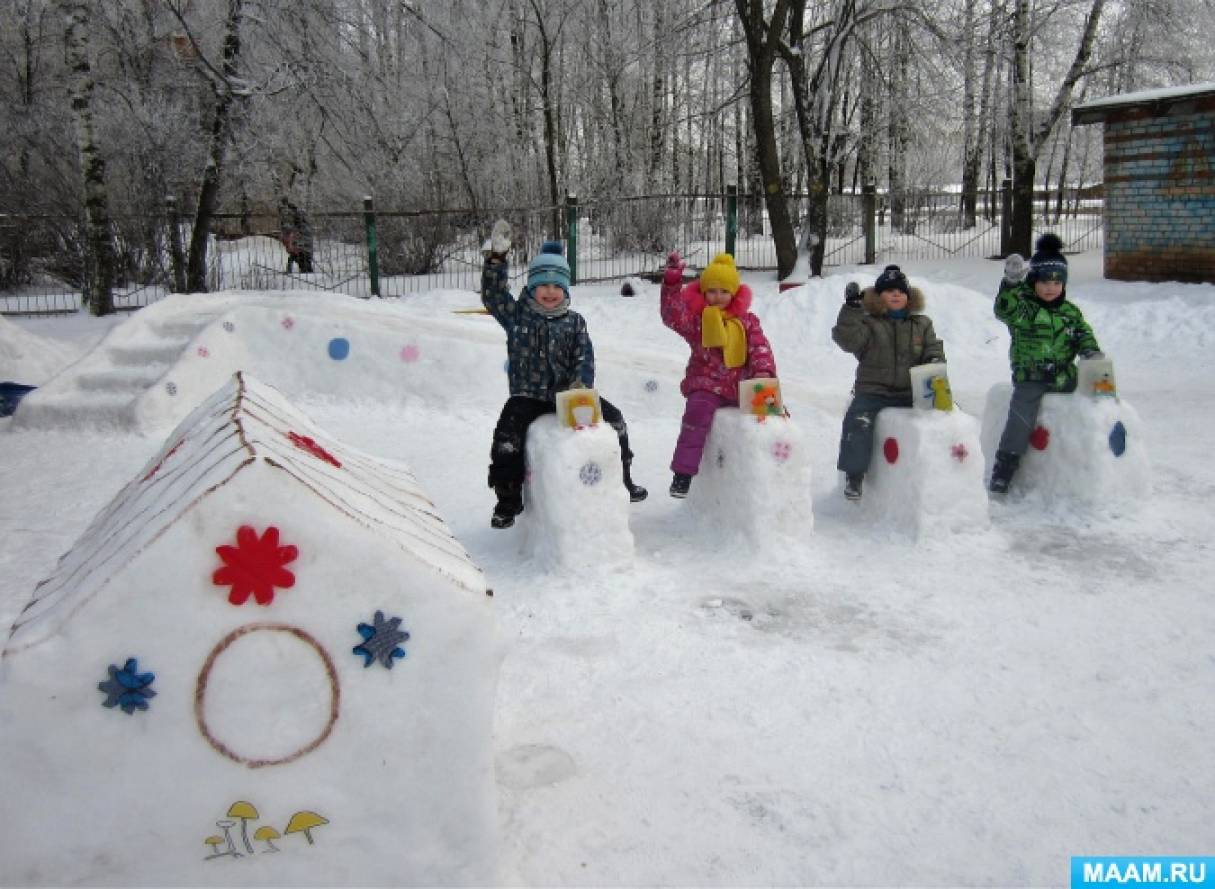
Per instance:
(1048,262)
(549,267)
(892,278)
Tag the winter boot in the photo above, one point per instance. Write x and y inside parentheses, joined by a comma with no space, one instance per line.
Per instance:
(852,485)
(1003,471)
(510,504)
(636,492)
(680,484)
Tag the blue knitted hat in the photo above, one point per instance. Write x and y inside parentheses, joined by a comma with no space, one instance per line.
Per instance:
(1048,262)
(549,267)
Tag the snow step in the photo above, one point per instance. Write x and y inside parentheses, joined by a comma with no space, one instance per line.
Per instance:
(95,409)
(131,380)
(151,353)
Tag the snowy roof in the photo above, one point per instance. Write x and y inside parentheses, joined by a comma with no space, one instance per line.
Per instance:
(245,424)
(1098,109)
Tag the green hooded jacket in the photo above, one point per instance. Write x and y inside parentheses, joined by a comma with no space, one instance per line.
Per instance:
(1046,337)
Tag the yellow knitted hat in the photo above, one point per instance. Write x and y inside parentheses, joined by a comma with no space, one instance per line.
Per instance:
(720,274)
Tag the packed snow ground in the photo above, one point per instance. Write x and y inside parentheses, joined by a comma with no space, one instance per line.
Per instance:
(867,709)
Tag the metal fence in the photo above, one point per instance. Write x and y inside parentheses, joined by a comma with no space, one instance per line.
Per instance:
(395,253)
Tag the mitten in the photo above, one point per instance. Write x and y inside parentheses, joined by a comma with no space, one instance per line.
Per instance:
(499,241)
(852,294)
(674,269)
(1015,268)
(1092,355)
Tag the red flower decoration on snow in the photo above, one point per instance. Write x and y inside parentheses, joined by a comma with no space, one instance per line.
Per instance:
(959,452)
(254,565)
(304,443)
(1040,438)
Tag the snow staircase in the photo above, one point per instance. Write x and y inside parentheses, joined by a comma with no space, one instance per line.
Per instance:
(102,388)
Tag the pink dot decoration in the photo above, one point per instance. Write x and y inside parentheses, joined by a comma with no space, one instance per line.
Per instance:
(288,323)
(890,449)
(781,450)
(959,452)
(410,354)
(1040,438)
(203,351)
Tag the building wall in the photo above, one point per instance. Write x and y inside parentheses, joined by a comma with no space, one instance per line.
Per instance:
(1160,192)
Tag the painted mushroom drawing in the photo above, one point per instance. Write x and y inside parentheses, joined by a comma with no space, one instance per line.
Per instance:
(304,822)
(246,812)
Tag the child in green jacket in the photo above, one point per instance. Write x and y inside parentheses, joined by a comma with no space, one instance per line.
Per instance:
(1048,333)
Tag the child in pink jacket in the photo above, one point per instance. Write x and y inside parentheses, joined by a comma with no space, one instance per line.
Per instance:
(728,346)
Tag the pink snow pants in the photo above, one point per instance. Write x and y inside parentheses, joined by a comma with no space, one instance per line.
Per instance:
(694,430)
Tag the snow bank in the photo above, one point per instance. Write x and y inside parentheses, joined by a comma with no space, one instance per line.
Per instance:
(28,358)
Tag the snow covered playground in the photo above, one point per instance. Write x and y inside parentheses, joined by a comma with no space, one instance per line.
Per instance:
(262,634)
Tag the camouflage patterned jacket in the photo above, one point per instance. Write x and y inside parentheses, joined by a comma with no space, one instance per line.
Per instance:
(546,355)
(1046,337)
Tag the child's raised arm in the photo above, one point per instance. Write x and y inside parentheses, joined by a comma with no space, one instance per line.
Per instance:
(849,332)
(495,280)
(675,312)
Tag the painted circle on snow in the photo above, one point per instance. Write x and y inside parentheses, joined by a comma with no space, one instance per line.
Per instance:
(339,348)
(1039,438)
(1118,439)
(890,450)
(410,353)
(261,669)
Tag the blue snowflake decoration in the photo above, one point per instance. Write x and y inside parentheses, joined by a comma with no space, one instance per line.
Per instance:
(651,385)
(128,688)
(381,640)
(590,474)
(1118,439)
(229,326)
(171,387)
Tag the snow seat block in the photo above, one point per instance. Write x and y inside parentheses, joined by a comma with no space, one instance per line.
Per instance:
(755,479)
(576,508)
(926,476)
(1084,450)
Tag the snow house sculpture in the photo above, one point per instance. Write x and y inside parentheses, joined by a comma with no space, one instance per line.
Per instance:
(262,621)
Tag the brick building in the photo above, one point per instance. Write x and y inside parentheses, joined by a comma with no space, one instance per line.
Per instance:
(1159,182)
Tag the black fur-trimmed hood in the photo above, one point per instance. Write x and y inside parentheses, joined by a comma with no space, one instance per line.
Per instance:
(871,300)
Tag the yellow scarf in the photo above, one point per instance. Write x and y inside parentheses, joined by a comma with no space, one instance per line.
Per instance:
(718,329)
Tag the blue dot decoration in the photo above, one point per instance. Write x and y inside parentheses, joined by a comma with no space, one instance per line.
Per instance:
(339,348)
(590,474)
(1118,439)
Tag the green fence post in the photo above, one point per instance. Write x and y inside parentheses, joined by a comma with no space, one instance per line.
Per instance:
(571,225)
(373,249)
(731,217)
(869,222)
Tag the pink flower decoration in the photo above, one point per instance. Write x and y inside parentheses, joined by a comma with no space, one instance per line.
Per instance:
(959,452)
(203,351)
(410,353)
(781,450)
(288,323)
